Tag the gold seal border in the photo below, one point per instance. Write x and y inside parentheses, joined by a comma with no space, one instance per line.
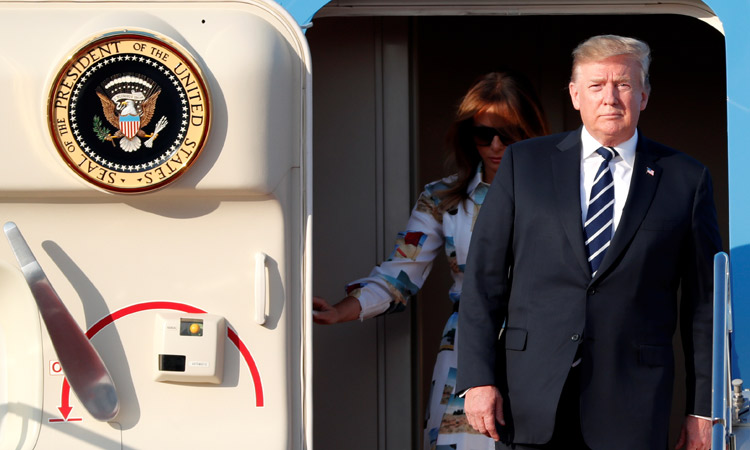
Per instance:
(106,178)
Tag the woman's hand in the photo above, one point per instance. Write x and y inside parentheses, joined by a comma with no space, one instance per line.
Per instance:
(343,311)
(323,312)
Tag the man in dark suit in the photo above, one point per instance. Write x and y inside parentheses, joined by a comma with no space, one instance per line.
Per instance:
(578,254)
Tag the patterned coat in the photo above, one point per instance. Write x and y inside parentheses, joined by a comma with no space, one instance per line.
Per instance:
(403,273)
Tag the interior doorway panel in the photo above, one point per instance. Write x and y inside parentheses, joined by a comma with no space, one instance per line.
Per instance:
(447,53)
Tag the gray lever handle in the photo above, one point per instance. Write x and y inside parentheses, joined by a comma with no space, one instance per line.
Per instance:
(83,367)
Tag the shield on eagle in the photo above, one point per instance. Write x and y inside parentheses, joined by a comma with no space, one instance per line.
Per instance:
(129,125)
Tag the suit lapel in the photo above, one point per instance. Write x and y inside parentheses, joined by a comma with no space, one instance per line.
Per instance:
(645,179)
(566,170)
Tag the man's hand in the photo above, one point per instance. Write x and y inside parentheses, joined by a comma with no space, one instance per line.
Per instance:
(483,406)
(695,434)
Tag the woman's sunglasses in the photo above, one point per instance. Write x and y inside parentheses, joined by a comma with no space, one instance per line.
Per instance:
(483,136)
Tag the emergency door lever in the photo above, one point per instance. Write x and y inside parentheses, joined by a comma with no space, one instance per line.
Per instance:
(83,367)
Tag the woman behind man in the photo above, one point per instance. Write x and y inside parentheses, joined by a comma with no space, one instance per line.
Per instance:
(499,109)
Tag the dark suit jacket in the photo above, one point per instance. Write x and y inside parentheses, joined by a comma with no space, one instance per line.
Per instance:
(527,268)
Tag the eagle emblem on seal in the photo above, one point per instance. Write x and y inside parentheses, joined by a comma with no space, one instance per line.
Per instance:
(128,102)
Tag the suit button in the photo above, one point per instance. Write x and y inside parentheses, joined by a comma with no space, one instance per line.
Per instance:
(575,337)
(592,291)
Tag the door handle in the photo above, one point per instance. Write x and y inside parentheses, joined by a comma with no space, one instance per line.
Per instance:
(83,367)
(261,288)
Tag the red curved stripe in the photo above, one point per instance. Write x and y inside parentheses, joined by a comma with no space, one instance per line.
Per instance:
(250,364)
(231,334)
(104,321)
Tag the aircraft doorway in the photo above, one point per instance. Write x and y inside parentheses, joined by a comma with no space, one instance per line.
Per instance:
(384,92)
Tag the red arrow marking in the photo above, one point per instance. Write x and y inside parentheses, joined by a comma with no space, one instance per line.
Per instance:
(231,334)
(65,401)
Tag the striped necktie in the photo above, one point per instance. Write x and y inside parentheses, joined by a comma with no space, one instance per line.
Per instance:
(601,208)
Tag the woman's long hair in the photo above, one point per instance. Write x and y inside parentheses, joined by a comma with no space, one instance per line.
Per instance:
(514,101)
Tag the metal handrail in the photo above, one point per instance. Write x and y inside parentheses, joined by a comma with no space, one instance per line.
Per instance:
(721,394)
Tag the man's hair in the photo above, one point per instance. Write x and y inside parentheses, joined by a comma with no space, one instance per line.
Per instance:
(606,46)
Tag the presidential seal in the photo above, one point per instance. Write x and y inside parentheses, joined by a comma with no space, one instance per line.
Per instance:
(129,112)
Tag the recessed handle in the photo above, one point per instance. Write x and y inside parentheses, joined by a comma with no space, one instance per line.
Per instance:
(261,288)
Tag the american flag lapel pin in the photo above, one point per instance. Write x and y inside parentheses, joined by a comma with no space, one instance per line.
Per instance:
(650,171)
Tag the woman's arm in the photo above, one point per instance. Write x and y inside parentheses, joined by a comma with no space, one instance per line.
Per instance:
(344,311)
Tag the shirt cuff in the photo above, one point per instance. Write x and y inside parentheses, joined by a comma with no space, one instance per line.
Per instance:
(373,301)
(700,417)
(463,393)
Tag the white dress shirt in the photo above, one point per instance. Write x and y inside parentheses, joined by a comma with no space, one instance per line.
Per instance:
(622,172)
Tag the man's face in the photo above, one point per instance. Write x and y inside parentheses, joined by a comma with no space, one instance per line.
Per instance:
(610,96)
